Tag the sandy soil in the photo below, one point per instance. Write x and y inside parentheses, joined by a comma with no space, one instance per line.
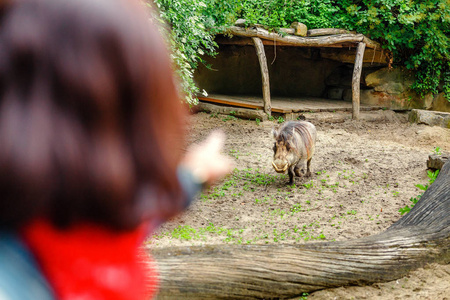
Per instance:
(430,283)
(363,173)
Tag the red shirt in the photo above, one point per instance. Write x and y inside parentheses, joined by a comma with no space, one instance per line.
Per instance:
(92,262)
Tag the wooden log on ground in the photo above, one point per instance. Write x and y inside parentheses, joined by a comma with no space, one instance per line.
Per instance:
(285,271)
(239,112)
(321,41)
(264,74)
(356,80)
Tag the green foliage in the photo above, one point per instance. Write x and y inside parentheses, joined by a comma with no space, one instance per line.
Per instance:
(188,233)
(437,150)
(229,117)
(304,296)
(431,178)
(407,209)
(189,38)
(281,13)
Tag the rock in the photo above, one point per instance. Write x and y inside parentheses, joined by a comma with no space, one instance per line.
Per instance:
(436,162)
(428,101)
(240,22)
(404,101)
(390,88)
(440,103)
(428,117)
(392,81)
(340,77)
(347,95)
(335,93)
(300,28)
(382,99)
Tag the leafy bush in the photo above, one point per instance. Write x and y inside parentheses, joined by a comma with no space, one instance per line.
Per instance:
(188,38)
(417,33)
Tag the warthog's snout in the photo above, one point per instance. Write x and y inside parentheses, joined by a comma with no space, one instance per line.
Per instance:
(280,167)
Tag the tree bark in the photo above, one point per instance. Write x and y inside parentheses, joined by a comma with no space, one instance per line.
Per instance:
(284,271)
(328,31)
(287,30)
(321,41)
(356,80)
(264,74)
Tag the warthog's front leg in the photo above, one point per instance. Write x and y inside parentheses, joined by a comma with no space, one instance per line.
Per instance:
(308,169)
(291,175)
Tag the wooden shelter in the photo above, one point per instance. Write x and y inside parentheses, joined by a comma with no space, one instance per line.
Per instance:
(321,38)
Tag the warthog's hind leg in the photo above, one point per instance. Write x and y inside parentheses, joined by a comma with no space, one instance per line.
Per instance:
(299,171)
(299,168)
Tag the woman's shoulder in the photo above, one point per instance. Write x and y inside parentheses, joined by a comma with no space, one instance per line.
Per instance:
(20,277)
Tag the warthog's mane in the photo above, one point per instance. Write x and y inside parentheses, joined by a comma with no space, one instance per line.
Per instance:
(286,134)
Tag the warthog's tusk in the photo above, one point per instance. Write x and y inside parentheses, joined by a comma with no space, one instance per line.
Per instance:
(279,170)
(274,166)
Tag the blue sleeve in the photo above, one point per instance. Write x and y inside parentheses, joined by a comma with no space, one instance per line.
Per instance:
(20,278)
(191,187)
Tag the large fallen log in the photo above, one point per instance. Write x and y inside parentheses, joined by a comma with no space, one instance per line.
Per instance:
(285,271)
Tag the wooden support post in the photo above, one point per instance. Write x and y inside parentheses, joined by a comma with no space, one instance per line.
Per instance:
(264,74)
(356,80)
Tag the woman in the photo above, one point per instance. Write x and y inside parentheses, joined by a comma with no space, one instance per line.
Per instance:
(91,132)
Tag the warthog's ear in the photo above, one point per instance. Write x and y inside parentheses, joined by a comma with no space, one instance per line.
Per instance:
(275,132)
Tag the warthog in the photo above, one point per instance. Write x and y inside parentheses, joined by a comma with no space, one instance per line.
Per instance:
(294,145)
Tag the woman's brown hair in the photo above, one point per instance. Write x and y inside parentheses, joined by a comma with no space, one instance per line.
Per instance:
(90,119)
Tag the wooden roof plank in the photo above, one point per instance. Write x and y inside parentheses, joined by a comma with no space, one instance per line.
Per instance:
(315,41)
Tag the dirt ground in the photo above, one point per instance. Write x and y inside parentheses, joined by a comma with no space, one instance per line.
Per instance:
(363,173)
